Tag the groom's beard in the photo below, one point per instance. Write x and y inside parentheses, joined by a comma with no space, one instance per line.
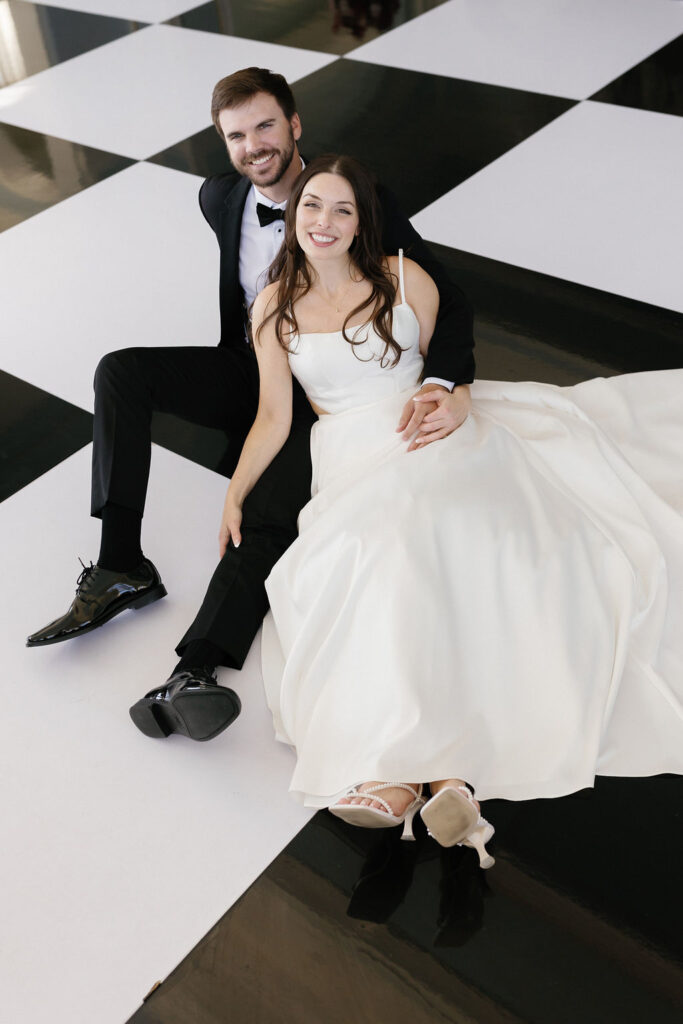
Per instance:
(283,158)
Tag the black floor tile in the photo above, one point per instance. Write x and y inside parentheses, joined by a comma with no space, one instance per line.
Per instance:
(531,326)
(421,134)
(577,921)
(203,154)
(37,431)
(37,171)
(335,27)
(42,36)
(654,84)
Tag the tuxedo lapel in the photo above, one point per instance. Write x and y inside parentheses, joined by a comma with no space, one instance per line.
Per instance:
(232,319)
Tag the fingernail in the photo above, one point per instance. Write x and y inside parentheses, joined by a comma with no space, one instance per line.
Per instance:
(237,543)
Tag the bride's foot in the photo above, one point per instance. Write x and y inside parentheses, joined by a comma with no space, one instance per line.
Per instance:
(452,817)
(380,805)
(397,798)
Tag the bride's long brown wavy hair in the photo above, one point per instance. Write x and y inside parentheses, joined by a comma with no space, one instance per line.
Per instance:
(290,266)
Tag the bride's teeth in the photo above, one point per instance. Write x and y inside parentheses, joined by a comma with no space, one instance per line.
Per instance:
(322,238)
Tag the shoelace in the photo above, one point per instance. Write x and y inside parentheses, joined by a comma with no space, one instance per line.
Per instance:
(81,582)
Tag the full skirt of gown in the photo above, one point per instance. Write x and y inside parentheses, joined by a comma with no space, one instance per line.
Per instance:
(504,605)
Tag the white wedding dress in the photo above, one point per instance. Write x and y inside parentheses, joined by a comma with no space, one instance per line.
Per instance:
(504,606)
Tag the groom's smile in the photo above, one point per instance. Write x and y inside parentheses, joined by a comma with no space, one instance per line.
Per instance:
(261,141)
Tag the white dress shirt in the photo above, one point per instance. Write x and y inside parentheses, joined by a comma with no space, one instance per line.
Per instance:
(259,247)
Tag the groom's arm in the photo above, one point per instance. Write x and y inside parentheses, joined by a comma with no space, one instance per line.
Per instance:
(450,355)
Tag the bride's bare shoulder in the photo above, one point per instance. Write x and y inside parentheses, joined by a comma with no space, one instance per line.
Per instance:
(265,302)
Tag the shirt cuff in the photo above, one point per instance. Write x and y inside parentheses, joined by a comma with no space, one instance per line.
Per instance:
(449,384)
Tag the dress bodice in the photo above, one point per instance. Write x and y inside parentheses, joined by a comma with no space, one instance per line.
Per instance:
(337,376)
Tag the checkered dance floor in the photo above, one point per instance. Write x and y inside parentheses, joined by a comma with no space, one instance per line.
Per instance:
(538,145)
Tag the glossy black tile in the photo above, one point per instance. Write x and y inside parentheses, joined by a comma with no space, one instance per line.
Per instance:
(34,37)
(421,134)
(654,84)
(37,431)
(577,921)
(334,27)
(37,171)
(202,154)
(530,326)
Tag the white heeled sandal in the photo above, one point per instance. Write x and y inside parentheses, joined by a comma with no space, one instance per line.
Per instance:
(373,817)
(453,819)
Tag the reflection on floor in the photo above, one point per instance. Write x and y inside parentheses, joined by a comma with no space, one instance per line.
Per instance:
(538,151)
(573,923)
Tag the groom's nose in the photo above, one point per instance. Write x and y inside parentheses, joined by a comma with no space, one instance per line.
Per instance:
(252,143)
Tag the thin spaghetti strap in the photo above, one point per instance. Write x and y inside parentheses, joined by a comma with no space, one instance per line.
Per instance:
(400,276)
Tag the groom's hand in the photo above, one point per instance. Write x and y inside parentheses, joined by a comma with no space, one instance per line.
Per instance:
(231,521)
(414,412)
(434,412)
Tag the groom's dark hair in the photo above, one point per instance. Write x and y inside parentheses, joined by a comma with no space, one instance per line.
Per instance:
(242,85)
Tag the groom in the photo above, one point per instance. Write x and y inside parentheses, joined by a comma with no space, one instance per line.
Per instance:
(254,112)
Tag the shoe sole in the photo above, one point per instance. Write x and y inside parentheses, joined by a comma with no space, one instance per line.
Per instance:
(199,716)
(148,597)
(449,817)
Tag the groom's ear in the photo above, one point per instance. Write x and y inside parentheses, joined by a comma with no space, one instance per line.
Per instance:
(296,126)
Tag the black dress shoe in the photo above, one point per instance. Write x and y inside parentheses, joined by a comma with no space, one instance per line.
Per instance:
(100,595)
(190,703)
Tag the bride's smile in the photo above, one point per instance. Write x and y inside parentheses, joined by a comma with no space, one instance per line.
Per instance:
(327,217)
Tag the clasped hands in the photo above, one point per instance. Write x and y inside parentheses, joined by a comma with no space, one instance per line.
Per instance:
(433,413)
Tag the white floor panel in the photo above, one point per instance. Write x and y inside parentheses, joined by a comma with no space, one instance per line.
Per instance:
(119,852)
(594,197)
(548,46)
(145,91)
(129,261)
(135,10)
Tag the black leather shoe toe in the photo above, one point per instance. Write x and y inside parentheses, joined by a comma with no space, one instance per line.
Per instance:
(190,703)
(100,595)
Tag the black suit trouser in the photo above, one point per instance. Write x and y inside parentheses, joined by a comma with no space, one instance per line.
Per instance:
(212,387)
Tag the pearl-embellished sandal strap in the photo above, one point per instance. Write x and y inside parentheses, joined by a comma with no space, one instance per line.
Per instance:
(385,804)
(391,785)
(467,791)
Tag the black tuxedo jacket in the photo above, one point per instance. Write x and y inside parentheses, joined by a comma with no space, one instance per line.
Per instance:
(450,356)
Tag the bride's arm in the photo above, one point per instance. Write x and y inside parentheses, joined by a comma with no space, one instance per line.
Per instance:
(434,412)
(271,426)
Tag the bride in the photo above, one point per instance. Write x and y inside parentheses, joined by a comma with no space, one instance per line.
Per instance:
(499,603)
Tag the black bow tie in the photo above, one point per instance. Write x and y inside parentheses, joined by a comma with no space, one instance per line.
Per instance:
(267,214)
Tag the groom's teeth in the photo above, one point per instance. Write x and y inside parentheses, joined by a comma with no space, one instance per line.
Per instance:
(261,160)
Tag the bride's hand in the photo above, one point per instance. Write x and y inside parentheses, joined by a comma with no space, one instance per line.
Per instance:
(437,413)
(231,521)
